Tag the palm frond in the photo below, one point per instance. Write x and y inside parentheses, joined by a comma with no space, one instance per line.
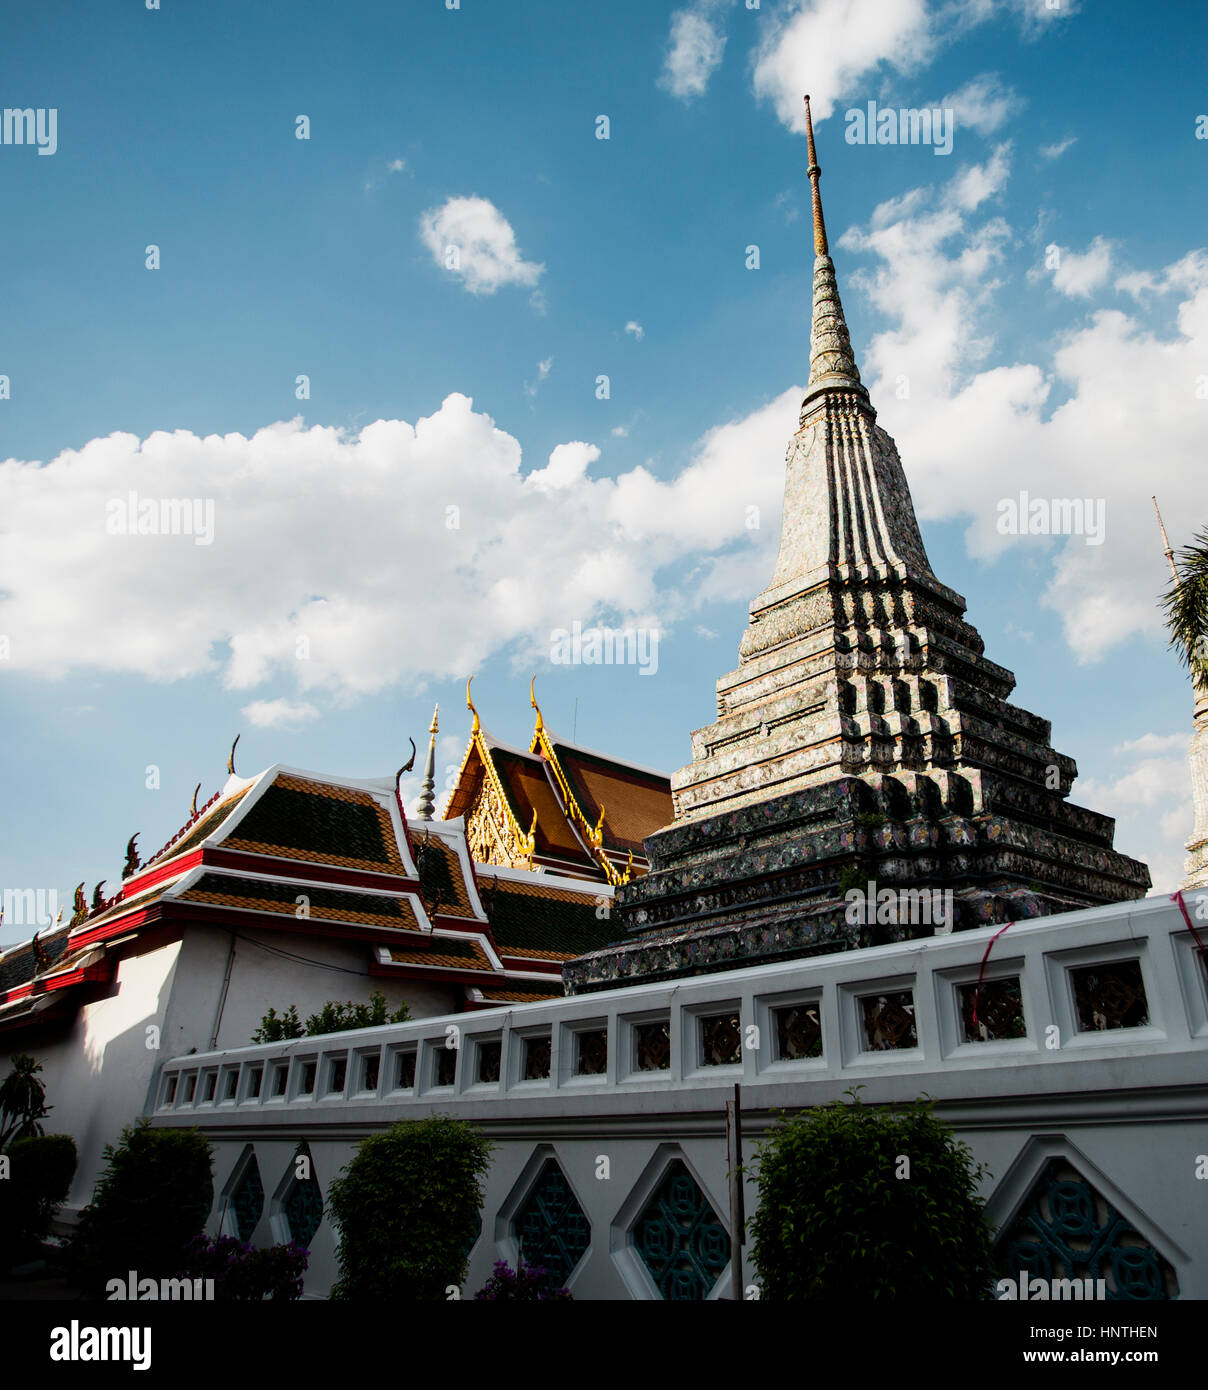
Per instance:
(1186,605)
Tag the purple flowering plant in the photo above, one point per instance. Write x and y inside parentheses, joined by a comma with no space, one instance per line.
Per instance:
(241,1271)
(525,1283)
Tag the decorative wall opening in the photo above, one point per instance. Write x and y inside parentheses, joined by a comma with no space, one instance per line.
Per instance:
(591,1052)
(370,1071)
(680,1239)
(337,1075)
(247,1199)
(720,1040)
(1110,995)
(405,1070)
(652,1046)
(445,1070)
(551,1228)
(536,1058)
(798,1032)
(889,1021)
(1066,1229)
(280,1080)
(302,1199)
(490,1057)
(999,1006)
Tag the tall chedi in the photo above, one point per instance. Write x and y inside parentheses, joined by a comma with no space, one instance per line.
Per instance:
(864,737)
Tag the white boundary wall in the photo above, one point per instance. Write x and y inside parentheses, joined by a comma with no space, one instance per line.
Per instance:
(1128,1107)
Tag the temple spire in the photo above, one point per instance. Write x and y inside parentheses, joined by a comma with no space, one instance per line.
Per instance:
(425,807)
(832,362)
(1166,541)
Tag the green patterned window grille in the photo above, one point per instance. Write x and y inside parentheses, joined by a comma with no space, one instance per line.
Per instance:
(337,1074)
(999,1006)
(490,1055)
(889,1021)
(653,1046)
(280,1080)
(211,1086)
(591,1052)
(1111,995)
(231,1085)
(679,1238)
(302,1205)
(370,1071)
(247,1200)
(551,1227)
(446,1064)
(798,1032)
(1066,1229)
(306,1087)
(406,1070)
(170,1089)
(720,1041)
(536,1058)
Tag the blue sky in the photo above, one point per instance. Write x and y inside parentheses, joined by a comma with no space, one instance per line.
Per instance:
(1074,374)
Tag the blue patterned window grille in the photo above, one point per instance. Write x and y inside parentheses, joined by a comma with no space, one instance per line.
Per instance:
(551,1227)
(681,1242)
(247,1200)
(303,1203)
(1068,1230)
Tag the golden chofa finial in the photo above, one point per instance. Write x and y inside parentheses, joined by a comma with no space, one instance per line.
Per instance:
(820,245)
(231,756)
(533,701)
(597,835)
(193,806)
(474,728)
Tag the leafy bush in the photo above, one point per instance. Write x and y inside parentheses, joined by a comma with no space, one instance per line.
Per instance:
(407,1206)
(245,1272)
(525,1283)
(334,1017)
(151,1199)
(841,1216)
(40,1174)
(22,1101)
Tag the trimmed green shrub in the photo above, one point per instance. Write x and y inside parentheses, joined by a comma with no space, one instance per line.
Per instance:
(151,1199)
(40,1174)
(858,1202)
(407,1206)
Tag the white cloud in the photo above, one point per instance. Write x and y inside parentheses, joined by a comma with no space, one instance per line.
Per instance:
(1079,276)
(471,238)
(831,48)
(1057,150)
(349,562)
(1187,275)
(279,714)
(543,370)
(695,52)
(620,432)
(396,166)
(636,329)
(982,104)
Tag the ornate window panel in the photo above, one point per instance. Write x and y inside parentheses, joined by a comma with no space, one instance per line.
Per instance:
(652,1046)
(720,1040)
(591,1052)
(405,1070)
(1066,1229)
(888,1021)
(302,1200)
(536,1058)
(680,1238)
(551,1227)
(798,1031)
(490,1054)
(1110,995)
(999,1004)
(247,1199)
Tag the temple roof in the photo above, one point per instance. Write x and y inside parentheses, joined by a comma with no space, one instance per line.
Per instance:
(563,807)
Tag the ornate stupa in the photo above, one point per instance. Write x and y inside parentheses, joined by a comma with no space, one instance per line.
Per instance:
(864,737)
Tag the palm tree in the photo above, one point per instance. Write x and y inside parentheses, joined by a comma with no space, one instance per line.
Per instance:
(22,1100)
(1186,604)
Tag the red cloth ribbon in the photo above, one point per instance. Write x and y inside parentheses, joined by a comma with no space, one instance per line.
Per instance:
(982,971)
(1177,897)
